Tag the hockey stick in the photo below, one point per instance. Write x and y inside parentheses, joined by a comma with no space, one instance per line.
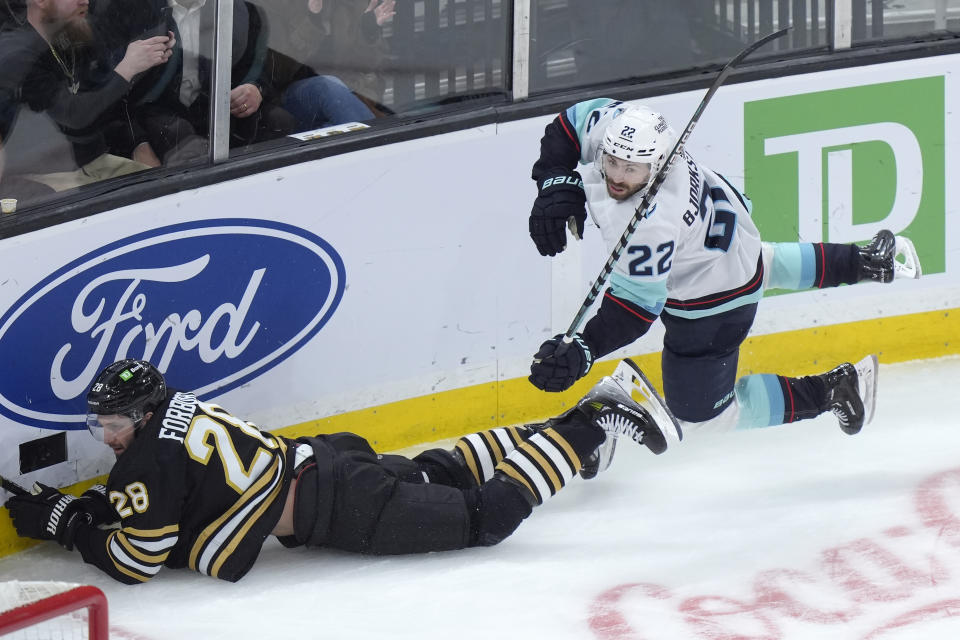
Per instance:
(658,180)
(12,487)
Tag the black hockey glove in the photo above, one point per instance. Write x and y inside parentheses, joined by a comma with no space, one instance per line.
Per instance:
(561,198)
(557,365)
(94,501)
(48,515)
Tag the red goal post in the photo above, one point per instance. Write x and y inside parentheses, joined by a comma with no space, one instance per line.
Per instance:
(27,604)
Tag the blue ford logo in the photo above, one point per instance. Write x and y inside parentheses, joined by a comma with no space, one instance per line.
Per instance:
(212,304)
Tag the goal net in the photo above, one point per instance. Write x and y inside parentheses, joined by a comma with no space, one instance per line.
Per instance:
(41,610)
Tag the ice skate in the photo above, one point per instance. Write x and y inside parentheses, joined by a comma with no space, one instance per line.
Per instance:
(878,259)
(611,406)
(852,393)
(600,459)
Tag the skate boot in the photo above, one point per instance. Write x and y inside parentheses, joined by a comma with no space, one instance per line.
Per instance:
(600,459)
(878,259)
(611,407)
(851,393)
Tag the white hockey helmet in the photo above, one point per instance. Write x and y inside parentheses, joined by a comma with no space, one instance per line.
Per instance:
(639,134)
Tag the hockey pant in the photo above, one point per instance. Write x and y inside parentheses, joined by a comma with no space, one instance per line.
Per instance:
(700,355)
(351,498)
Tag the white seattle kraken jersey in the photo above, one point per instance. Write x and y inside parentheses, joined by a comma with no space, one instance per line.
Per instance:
(698,251)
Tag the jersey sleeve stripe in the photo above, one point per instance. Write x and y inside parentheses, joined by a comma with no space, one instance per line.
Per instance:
(152,546)
(126,564)
(221,537)
(210,534)
(247,524)
(151,533)
(628,308)
(132,548)
(569,128)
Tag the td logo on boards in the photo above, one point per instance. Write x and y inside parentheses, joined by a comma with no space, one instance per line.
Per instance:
(839,165)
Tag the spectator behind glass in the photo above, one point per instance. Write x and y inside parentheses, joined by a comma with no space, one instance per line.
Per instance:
(171,105)
(51,63)
(618,39)
(336,39)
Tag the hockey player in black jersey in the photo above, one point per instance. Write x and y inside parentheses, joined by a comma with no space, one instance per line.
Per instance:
(193,486)
(696,262)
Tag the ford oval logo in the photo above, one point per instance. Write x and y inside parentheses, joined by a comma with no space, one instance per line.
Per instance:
(212,303)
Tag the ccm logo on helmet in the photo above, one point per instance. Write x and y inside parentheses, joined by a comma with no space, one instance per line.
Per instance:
(553,182)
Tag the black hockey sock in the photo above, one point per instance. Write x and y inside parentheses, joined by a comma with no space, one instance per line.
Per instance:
(836,264)
(802,397)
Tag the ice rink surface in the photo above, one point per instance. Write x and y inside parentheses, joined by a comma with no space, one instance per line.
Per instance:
(793,532)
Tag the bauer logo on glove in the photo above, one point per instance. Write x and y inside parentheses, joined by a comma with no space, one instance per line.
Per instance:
(561,199)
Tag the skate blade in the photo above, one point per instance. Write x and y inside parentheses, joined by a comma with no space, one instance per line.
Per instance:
(607,449)
(867,371)
(910,267)
(629,376)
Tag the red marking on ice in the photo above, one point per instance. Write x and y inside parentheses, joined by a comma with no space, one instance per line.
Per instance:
(866,576)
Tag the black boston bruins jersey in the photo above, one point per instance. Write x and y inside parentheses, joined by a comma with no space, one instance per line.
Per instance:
(196,488)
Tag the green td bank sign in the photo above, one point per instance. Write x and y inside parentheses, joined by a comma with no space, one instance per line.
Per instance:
(839,165)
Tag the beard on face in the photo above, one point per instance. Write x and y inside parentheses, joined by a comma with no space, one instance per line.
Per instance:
(628,190)
(73,31)
(77,31)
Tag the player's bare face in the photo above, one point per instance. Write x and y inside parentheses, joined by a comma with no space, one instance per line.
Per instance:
(624,178)
(118,432)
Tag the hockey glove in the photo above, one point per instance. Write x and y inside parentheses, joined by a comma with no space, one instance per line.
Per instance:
(94,501)
(557,365)
(561,198)
(48,515)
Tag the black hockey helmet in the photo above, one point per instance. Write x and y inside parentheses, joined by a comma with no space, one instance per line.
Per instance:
(129,388)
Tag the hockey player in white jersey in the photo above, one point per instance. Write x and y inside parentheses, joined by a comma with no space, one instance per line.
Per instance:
(696,262)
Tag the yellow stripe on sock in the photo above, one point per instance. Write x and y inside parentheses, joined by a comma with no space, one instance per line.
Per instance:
(468,457)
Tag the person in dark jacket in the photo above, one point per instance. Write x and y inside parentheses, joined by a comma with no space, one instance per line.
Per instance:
(171,106)
(51,64)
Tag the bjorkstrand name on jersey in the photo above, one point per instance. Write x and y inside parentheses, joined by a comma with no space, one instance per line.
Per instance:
(695,181)
(176,421)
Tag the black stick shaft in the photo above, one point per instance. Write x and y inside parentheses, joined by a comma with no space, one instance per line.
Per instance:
(12,487)
(658,180)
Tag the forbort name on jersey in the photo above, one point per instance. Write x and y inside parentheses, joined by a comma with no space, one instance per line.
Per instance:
(177,419)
